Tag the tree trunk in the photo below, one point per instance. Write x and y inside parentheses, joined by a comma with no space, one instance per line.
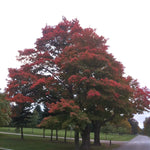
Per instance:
(85,138)
(43,132)
(22,133)
(76,140)
(51,134)
(56,135)
(65,135)
(96,127)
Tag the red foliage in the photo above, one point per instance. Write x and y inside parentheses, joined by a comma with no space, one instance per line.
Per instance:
(63,105)
(20,98)
(26,52)
(92,94)
(38,82)
(83,79)
(74,79)
(109,82)
(141,99)
(116,95)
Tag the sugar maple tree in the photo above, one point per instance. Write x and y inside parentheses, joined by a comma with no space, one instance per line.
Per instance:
(73,63)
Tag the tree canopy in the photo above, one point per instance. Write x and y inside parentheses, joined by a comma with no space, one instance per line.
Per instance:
(72,63)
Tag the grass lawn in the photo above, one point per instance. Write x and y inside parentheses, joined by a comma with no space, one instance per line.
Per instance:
(37,131)
(35,143)
(116,137)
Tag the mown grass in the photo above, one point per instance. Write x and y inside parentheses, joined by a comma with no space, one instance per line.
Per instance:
(70,134)
(35,143)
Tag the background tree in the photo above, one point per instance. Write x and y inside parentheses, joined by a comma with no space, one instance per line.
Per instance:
(134,126)
(121,127)
(45,111)
(21,116)
(146,129)
(39,111)
(73,63)
(33,120)
(4,110)
(52,123)
(70,115)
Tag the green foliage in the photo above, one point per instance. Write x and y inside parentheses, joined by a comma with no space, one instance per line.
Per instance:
(134,126)
(21,114)
(69,114)
(50,122)
(146,129)
(4,110)
(40,113)
(122,127)
(33,120)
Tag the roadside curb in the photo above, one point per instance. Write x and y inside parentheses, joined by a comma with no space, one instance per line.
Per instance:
(2,148)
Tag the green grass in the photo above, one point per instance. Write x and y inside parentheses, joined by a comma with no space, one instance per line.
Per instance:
(34,143)
(117,137)
(37,131)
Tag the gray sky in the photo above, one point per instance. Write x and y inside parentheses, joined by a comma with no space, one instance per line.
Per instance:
(124,22)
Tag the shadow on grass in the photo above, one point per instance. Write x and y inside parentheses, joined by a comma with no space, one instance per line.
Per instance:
(36,143)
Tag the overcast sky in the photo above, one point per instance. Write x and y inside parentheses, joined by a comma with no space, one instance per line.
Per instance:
(124,22)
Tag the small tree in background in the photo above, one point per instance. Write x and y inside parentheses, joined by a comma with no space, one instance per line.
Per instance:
(21,116)
(134,126)
(120,127)
(123,127)
(146,129)
(40,113)
(70,115)
(52,123)
(33,120)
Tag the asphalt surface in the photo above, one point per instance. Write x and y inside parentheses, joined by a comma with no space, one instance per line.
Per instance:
(140,142)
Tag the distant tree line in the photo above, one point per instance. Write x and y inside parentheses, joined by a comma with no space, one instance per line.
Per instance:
(146,129)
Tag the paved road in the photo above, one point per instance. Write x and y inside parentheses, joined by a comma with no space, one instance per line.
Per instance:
(138,143)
